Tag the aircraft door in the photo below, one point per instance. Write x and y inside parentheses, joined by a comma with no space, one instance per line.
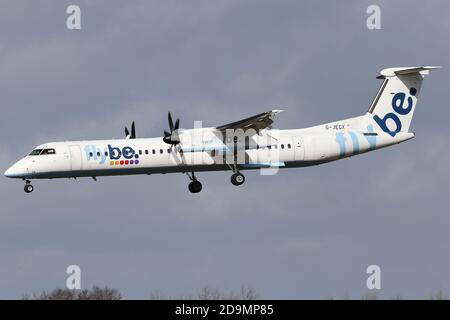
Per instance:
(299,148)
(75,158)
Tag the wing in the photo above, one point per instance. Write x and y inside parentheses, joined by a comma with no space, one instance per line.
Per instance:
(258,122)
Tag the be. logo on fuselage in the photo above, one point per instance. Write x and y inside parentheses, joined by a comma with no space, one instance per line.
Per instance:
(398,105)
(115,155)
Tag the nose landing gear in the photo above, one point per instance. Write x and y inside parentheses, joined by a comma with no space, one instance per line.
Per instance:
(28,188)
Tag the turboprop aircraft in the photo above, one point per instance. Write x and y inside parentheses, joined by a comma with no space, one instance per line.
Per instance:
(250,143)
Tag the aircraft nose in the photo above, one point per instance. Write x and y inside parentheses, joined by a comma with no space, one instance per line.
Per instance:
(14,172)
(10,172)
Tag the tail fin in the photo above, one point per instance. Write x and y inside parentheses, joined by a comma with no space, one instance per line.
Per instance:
(393,107)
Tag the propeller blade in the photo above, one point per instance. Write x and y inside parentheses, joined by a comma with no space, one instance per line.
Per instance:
(133,131)
(172,137)
(170,122)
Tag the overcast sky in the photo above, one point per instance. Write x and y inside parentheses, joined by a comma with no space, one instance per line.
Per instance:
(303,233)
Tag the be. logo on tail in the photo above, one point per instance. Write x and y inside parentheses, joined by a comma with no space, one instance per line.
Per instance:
(400,108)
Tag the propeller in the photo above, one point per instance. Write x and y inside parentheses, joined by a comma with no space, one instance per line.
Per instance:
(172,137)
(131,135)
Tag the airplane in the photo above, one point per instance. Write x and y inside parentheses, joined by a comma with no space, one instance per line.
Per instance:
(246,144)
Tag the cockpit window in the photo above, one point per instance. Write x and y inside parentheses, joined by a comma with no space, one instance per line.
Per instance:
(48,151)
(35,152)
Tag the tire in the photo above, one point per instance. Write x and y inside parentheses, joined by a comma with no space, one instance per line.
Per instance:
(237,179)
(195,187)
(28,188)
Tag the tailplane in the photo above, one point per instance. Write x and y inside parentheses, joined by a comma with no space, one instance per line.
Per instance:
(393,107)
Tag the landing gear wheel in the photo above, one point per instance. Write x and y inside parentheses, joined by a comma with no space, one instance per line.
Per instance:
(195,186)
(237,179)
(28,188)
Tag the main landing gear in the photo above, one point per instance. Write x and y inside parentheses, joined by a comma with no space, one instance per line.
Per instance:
(237,179)
(28,188)
(194,186)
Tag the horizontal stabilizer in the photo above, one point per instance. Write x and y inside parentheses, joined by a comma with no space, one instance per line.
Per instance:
(392,72)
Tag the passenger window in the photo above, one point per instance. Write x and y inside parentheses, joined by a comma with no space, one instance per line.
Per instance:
(161,151)
(106,153)
(289,145)
(91,154)
(140,152)
(282,146)
(153,151)
(270,147)
(146,151)
(98,154)
(168,150)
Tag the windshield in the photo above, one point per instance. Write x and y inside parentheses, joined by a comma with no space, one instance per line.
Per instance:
(35,152)
(48,151)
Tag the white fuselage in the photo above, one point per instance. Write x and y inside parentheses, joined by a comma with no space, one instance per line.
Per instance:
(202,150)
